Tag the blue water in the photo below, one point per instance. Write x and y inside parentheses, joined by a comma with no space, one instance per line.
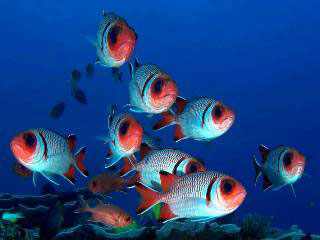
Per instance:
(259,57)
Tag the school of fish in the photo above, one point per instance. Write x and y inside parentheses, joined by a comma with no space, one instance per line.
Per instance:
(181,183)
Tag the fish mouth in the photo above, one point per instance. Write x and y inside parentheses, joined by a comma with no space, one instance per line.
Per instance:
(226,123)
(237,200)
(19,152)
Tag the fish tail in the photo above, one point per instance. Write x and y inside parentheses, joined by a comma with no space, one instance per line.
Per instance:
(257,168)
(128,165)
(168,118)
(80,156)
(149,197)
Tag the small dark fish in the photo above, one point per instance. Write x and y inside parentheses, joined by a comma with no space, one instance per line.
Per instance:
(57,110)
(80,96)
(54,220)
(48,188)
(76,75)
(116,74)
(89,71)
(21,170)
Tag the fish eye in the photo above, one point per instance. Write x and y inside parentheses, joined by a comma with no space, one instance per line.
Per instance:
(114,32)
(218,111)
(124,128)
(158,86)
(193,168)
(227,186)
(128,219)
(29,139)
(94,184)
(287,159)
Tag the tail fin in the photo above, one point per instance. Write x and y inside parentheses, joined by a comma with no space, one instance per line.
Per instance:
(257,168)
(80,155)
(149,197)
(84,205)
(168,119)
(133,180)
(128,165)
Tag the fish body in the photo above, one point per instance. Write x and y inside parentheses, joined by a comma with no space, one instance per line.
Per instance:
(107,214)
(106,183)
(201,195)
(57,110)
(12,217)
(202,119)
(281,166)
(154,161)
(151,90)
(49,153)
(125,136)
(115,41)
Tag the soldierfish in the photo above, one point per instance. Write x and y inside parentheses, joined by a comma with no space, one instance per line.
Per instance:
(153,161)
(115,41)
(202,119)
(280,166)
(125,136)
(107,214)
(48,153)
(151,90)
(200,196)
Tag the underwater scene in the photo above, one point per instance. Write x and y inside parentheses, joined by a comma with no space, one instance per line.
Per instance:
(160,120)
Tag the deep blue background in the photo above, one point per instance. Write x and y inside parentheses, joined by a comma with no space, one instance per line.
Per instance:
(259,57)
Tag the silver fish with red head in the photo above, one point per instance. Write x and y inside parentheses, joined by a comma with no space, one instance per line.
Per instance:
(107,214)
(201,196)
(151,90)
(125,136)
(49,153)
(115,41)
(280,166)
(153,161)
(202,119)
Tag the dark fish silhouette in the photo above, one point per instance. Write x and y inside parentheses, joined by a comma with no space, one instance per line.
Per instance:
(57,110)
(21,170)
(76,75)
(116,74)
(89,71)
(80,96)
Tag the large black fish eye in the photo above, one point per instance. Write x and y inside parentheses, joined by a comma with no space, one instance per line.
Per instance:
(158,86)
(124,128)
(193,168)
(29,139)
(287,159)
(227,186)
(218,111)
(113,34)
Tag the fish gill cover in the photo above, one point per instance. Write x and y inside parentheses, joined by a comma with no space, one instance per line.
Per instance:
(207,111)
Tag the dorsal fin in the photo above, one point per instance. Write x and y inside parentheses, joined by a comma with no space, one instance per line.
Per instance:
(167,179)
(136,64)
(111,115)
(266,182)
(264,152)
(104,13)
(72,139)
(180,104)
(144,150)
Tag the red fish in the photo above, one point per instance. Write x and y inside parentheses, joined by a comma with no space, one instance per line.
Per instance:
(48,153)
(107,214)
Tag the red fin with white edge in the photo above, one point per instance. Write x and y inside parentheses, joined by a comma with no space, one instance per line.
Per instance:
(109,154)
(167,179)
(127,167)
(178,134)
(72,140)
(180,104)
(166,214)
(135,178)
(167,119)
(149,197)
(70,174)
(80,155)
(144,150)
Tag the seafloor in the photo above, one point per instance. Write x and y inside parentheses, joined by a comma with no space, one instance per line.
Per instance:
(51,216)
